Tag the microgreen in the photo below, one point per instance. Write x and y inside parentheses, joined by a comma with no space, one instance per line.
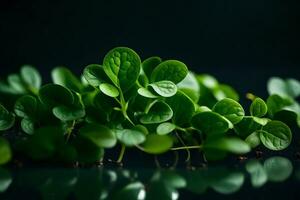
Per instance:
(152,105)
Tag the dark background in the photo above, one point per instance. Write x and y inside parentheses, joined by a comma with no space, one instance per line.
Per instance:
(242,43)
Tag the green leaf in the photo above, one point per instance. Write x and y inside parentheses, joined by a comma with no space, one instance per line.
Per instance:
(232,145)
(31,76)
(15,82)
(146,93)
(122,65)
(257,173)
(207,81)
(149,65)
(171,70)
(258,107)
(227,92)
(284,88)
(276,103)
(230,109)
(275,135)
(100,135)
(27,126)
(183,108)
(26,107)
(158,112)
(64,77)
(157,144)
(293,86)
(278,168)
(164,88)
(66,113)
(130,191)
(210,123)
(246,127)
(95,75)
(7,119)
(189,85)
(261,121)
(165,128)
(253,140)
(55,95)
(5,152)
(228,183)
(109,90)
(131,137)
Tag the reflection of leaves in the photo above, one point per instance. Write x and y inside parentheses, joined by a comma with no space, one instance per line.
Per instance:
(133,190)
(278,168)
(257,173)
(5,179)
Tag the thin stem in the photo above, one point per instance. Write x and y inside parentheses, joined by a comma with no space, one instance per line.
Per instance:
(187,150)
(69,132)
(175,160)
(186,147)
(124,108)
(121,155)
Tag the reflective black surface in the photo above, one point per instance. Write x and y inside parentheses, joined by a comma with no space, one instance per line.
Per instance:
(273,178)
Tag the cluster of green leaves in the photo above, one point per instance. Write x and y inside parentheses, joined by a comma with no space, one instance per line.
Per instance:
(152,105)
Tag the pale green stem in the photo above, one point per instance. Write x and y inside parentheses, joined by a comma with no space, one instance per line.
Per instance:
(187,150)
(121,155)
(186,147)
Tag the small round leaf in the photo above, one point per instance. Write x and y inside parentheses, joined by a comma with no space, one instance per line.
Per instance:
(230,109)
(165,128)
(275,135)
(164,88)
(109,90)
(157,144)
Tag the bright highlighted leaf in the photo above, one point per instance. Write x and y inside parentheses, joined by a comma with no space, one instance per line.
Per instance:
(146,93)
(171,70)
(210,123)
(109,90)
(165,128)
(95,75)
(258,108)
(164,88)
(65,113)
(232,145)
(275,135)
(253,140)
(230,109)
(122,65)
(157,144)
(158,112)
(131,137)
(31,76)
(99,135)
(64,77)
(5,152)
(284,88)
